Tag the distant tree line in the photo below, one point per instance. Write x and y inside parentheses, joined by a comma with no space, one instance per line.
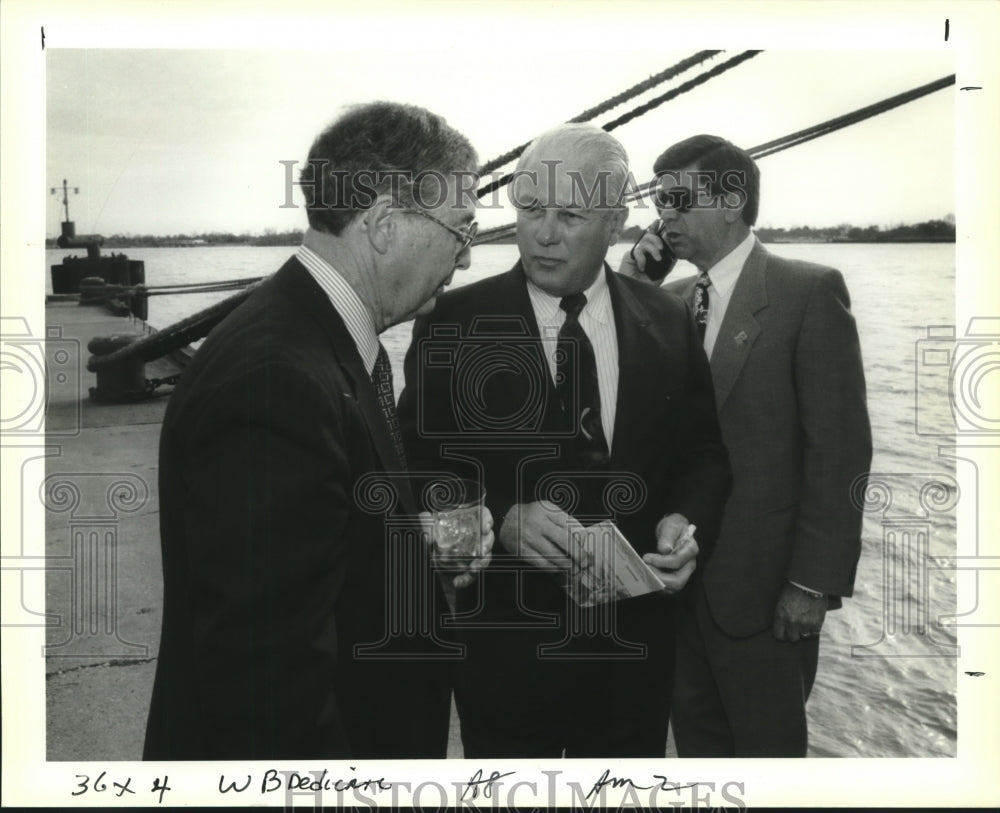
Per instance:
(930,231)
(269,238)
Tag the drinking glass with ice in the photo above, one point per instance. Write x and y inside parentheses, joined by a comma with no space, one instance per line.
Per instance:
(456,506)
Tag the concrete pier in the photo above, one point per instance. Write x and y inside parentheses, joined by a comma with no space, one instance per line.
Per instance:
(103,584)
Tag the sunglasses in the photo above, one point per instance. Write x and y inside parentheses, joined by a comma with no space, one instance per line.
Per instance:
(465,236)
(678,198)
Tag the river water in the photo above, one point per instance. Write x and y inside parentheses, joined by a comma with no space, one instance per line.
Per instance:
(887,674)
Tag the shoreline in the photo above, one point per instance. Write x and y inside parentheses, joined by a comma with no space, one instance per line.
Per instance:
(511,241)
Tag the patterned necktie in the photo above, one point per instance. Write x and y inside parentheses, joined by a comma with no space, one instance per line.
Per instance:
(382,379)
(701,287)
(577,386)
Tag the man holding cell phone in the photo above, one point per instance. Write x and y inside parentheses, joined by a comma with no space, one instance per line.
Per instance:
(651,257)
(790,393)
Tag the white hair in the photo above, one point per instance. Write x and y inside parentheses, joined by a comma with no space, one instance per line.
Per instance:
(585,142)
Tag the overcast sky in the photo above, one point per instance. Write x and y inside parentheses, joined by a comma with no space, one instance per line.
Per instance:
(168,141)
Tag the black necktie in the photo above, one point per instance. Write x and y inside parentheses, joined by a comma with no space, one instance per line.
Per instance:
(382,379)
(577,387)
(701,287)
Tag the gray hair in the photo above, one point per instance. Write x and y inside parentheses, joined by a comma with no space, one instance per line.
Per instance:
(378,148)
(586,142)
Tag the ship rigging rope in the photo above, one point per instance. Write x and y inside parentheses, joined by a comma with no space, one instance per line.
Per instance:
(848,119)
(643,108)
(778,144)
(830,126)
(614,101)
(112,291)
(200,324)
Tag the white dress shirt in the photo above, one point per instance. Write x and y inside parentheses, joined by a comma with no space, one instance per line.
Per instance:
(598,321)
(723,276)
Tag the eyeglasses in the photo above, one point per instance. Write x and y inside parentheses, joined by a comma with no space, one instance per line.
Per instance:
(465,236)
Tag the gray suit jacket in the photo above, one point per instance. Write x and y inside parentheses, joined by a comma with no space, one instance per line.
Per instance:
(790,392)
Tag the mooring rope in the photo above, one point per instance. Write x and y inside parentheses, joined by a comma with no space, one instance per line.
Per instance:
(109,291)
(848,119)
(198,326)
(206,286)
(159,343)
(691,84)
(645,107)
(777,145)
(605,106)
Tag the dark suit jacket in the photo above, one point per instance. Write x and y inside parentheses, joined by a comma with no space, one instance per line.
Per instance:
(790,390)
(273,569)
(479,392)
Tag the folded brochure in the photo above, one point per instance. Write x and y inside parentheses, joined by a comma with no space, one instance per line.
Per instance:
(609,569)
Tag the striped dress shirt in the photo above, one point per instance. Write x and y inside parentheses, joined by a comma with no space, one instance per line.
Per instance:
(598,321)
(348,304)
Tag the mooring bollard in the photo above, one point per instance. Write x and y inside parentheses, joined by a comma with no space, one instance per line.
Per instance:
(123,380)
(92,291)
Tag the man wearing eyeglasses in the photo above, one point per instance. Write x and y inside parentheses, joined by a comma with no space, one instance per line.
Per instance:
(790,391)
(579,396)
(283,636)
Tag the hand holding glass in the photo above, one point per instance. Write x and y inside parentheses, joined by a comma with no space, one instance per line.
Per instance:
(457,522)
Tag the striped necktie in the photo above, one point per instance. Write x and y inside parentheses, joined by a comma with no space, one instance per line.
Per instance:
(382,379)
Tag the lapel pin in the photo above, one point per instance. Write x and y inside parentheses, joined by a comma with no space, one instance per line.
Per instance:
(741,338)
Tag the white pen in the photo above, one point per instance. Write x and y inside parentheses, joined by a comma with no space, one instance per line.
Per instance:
(687,537)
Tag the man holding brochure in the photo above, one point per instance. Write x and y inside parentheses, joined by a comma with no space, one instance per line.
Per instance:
(580,399)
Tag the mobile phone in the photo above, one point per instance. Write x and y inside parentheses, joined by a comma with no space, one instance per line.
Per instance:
(657,270)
